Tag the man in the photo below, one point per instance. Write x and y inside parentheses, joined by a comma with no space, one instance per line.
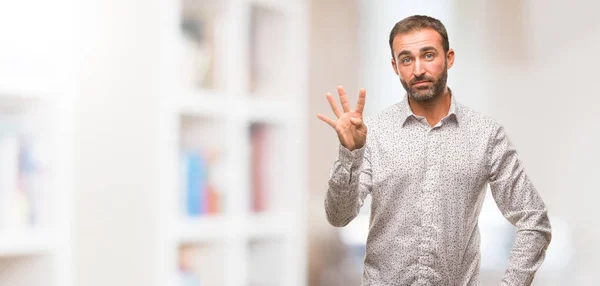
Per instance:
(426,162)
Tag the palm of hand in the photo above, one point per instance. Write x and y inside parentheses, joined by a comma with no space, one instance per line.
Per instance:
(349,126)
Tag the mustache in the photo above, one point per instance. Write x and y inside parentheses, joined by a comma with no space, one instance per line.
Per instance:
(421,78)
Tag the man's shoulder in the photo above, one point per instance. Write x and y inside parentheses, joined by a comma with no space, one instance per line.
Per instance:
(471,117)
(383,115)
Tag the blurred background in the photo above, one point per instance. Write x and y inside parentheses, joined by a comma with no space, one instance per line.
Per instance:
(175,142)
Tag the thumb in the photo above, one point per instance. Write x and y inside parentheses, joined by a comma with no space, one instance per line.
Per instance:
(357,121)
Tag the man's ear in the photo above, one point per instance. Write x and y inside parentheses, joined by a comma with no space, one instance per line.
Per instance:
(394,66)
(450,58)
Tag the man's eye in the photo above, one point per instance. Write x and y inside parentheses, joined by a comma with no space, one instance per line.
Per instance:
(429,56)
(406,60)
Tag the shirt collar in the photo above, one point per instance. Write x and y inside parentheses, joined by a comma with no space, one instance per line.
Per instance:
(406,111)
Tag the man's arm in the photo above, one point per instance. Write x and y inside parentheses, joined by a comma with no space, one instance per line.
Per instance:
(350,177)
(349,184)
(520,204)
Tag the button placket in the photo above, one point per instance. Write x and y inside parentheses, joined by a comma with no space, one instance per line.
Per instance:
(424,259)
(428,232)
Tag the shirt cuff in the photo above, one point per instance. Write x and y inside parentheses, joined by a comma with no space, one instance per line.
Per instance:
(351,159)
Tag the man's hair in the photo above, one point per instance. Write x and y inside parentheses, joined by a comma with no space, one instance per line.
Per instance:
(416,23)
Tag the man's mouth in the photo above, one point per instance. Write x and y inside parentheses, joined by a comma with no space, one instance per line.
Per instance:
(419,83)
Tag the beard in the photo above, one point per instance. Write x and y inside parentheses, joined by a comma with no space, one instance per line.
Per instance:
(428,92)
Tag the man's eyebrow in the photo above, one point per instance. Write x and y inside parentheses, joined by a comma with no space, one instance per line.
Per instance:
(423,50)
(427,49)
(404,53)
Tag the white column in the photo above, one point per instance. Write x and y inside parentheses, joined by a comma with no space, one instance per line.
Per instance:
(117,134)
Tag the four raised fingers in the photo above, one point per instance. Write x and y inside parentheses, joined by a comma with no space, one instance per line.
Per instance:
(345,105)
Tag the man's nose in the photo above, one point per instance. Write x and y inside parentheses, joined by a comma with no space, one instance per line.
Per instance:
(419,69)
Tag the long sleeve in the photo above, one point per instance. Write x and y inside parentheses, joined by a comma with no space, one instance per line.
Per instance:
(349,184)
(520,204)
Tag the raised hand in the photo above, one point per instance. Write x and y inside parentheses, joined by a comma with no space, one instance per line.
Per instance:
(350,128)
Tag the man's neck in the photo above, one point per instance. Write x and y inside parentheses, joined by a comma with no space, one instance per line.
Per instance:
(433,110)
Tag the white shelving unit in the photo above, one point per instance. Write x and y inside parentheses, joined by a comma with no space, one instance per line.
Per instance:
(35,193)
(36,92)
(259,79)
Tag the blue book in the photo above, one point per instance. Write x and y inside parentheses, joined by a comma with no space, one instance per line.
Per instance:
(196,184)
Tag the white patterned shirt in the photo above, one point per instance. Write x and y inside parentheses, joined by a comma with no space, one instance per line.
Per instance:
(427,186)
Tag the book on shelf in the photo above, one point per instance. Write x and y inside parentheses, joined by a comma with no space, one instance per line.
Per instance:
(197,26)
(201,265)
(21,201)
(267,167)
(200,193)
(267,50)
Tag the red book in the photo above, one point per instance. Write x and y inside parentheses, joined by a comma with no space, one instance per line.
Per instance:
(212,200)
(258,138)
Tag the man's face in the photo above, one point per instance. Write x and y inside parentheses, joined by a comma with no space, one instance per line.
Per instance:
(421,64)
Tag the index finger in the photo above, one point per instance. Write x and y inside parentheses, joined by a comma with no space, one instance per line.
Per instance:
(333,105)
(360,105)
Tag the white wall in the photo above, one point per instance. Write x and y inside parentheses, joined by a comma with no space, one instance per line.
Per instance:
(549,104)
(533,66)
(334,53)
(116,160)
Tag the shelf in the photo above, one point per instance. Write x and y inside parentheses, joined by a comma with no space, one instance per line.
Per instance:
(16,90)
(14,99)
(202,229)
(205,103)
(194,130)
(217,104)
(26,243)
(211,229)
(279,5)
(268,110)
(18,79)
(267,225)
